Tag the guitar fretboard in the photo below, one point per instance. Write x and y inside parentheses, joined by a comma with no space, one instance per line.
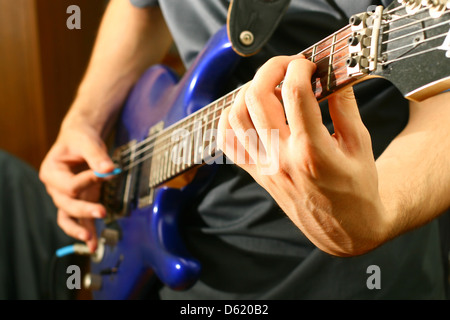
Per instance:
(192,141)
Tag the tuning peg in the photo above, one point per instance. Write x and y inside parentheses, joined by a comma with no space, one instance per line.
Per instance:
(412,6)
(437,7)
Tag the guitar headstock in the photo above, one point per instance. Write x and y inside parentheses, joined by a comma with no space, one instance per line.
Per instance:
(407,43)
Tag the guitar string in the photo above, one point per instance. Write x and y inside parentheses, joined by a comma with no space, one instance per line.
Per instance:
(386,32)
(172,143)
(407,15)
(317,54)
(185,124)
(168,147)
(413,13)
(162,142)
(191,135)
(204,115)
(336,62)
(410,55)
(399,28)
(156,135)
(339,31)
(224,105)
(417,31)
(399,7)
(415,44)
(340,40)
(147,156)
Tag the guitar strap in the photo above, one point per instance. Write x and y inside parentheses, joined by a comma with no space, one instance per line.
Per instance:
(250,23)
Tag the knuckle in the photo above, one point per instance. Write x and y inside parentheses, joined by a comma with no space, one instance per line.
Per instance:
(236,115)
(253,97)
(275,61)
(301,64)
(362,136)
(365,137)
(312,160)
(72,190)
(43,176)
(61,221)
(293,92)
(365,133)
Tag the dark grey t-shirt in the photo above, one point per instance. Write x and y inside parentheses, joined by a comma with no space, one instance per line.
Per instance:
(249,249)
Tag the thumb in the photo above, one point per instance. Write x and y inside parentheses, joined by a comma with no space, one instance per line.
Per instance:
(95,153)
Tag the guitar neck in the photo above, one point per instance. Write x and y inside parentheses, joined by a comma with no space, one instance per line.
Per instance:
(330,56)
(192,141)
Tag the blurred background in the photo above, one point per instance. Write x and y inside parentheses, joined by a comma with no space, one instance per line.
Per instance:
(41,65)
(42,62)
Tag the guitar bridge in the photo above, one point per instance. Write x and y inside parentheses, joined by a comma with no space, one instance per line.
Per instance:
(118,192)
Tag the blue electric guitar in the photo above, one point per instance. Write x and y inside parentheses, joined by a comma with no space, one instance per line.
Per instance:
(165,139)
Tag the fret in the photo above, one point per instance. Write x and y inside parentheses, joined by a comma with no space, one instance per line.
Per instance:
(182,146)
(159,163)
(330,63)
(174,164)
(166,161)
(313,54)
(175,146)
(207,127)
(189,145)
(154,169)
(160,148)
(172,148)
(169,164)
(330,56)
(213,133)
(181,149)
(198,128)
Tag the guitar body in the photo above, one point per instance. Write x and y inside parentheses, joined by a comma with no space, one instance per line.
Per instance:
(146,240)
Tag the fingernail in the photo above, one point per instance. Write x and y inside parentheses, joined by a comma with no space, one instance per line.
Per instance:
(105,165)
(97,214)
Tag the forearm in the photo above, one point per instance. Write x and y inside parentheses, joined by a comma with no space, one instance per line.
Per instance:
(129,40)
(414,171)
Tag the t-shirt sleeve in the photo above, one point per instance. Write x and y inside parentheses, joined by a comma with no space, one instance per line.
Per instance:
(144,3)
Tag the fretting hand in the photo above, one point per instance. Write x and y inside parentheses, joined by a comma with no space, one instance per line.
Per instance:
(326,184)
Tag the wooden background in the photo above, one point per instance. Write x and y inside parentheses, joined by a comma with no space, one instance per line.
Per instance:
(41,65)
